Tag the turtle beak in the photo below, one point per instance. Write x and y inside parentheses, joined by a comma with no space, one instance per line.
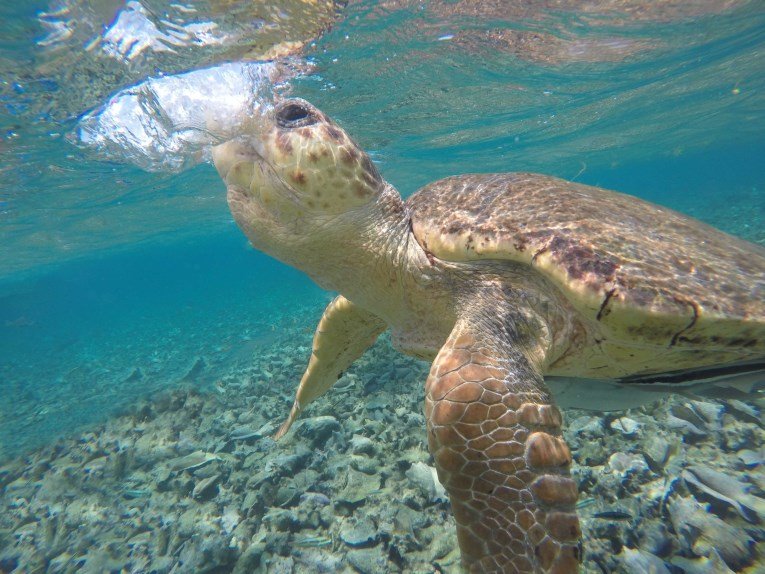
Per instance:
(233,153)
(223,158)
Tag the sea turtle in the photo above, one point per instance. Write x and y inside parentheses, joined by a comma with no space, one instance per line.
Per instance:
(502,280)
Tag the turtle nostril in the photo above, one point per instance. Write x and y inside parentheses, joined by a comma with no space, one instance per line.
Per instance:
(294,115)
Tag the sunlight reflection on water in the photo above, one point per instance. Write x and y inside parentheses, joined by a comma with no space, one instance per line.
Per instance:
(428,89)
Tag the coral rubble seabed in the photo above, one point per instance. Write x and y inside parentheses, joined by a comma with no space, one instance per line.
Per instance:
(190,481)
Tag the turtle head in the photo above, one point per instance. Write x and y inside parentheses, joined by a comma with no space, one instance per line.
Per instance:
(294,168)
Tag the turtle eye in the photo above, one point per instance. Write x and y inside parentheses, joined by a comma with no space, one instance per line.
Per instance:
(294,115)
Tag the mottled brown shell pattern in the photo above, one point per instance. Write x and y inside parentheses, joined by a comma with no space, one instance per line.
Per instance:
(641,272)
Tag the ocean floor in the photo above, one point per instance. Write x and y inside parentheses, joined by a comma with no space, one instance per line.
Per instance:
(189,480)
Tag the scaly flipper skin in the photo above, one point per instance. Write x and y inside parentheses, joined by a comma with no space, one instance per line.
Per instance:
(343,334)
(496,439)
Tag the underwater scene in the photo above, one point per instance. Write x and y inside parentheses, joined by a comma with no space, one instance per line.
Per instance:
(236,338)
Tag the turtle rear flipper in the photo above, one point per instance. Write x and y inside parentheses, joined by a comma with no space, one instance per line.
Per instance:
(497,443)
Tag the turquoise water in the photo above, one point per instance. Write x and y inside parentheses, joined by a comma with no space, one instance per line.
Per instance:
(117,284)
(83,326)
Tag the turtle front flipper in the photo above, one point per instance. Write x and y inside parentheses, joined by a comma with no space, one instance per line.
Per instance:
(343,334)
(496,440)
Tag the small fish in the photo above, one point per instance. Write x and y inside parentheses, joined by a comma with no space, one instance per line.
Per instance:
(193,460)
(246,432)
(135,493)
(243,433)
(613,515)
(584,503)
(313,541)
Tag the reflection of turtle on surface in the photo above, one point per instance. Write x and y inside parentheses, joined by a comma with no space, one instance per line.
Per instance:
(500,280)
(285,26)
(128,42)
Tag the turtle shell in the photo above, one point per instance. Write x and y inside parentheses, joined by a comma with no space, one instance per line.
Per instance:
(636,272)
